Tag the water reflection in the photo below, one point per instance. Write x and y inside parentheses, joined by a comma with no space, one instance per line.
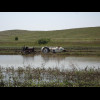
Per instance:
(53,58)
(48,61)
(43,60)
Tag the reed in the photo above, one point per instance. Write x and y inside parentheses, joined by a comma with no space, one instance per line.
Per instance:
(49,77)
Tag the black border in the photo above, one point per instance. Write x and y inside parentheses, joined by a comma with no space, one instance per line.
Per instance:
(50,6)
(50,92)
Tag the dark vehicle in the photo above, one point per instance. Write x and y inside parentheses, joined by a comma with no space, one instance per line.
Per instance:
(27,50)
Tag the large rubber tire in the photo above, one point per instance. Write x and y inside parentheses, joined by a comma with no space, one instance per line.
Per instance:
(53,51)
(46,50)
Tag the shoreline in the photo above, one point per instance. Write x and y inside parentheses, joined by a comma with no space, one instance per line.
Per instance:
(69,51)
(57,54)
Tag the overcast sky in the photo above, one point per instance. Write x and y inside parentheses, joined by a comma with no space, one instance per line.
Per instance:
(48,20)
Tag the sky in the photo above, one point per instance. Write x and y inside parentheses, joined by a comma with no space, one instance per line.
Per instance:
(46,21)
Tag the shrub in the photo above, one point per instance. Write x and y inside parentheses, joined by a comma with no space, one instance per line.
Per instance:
(16,38)
(43,41)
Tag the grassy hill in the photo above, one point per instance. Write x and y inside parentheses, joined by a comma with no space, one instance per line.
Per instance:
(79,36)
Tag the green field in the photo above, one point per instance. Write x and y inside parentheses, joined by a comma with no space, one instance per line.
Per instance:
(69,37)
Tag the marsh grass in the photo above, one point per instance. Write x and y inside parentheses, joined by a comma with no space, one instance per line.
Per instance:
(49,77)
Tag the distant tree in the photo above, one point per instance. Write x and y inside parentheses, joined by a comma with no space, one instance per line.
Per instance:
(16,38)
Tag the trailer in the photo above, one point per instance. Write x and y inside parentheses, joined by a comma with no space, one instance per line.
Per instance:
(52,49)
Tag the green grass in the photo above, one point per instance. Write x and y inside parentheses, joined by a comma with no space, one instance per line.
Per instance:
(70,37)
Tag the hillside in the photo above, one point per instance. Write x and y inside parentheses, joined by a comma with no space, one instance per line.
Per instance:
(68,35)
(79,33)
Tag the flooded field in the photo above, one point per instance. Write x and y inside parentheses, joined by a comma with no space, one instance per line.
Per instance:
(46,61)
(49,71)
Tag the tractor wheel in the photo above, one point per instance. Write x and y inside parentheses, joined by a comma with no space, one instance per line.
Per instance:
(53,51)
(46,50)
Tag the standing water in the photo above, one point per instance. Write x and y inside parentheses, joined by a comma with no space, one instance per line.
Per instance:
(65,62)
